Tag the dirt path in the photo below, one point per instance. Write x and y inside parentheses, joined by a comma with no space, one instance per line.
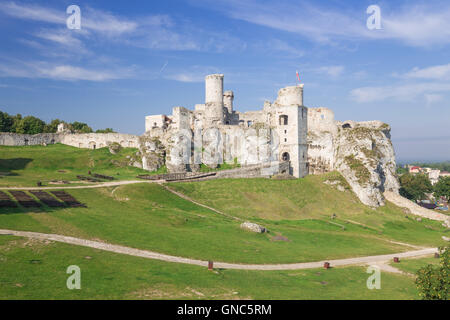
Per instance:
(159,256)
(100,185)
(416,209)
(185,197)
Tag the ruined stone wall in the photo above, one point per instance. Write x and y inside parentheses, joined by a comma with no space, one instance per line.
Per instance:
(84,140)
(322,130)
(16,139)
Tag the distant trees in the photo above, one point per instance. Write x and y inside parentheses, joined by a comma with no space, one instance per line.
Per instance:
(6,122)
(442,188)
(33,125)
(414,187)
(30,125)
(52,127)
(80,127)
(107,130)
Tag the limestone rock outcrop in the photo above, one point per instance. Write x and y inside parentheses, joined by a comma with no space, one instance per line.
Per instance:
(361,151)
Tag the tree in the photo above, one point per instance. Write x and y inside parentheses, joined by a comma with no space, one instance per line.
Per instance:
(6,122)
(80,127)
(414,187)
(30,125)
(16,121)
(442,188)
(432,282)
(401,170)
(52,127)
(107,130)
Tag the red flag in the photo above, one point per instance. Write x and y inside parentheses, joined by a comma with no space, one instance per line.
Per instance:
(298,77)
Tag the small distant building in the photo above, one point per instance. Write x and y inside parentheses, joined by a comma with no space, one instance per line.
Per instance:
(434,175)
(415,169)
(63,128)
(444,174)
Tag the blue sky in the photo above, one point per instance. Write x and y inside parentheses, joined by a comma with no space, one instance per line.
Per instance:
(135,58)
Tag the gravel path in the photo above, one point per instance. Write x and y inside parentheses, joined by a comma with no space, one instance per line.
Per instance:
(416,209)
(168,258)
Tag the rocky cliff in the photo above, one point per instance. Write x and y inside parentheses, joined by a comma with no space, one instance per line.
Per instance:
(361,151)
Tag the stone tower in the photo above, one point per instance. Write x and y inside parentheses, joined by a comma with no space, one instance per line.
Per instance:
(291,123)
(228,98)
(214,100)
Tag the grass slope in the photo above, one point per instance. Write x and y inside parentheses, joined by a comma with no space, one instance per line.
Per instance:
(149,217)
(293,202)
(24,166)
(37,270)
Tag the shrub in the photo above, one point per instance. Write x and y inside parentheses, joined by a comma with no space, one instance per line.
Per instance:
(432,282)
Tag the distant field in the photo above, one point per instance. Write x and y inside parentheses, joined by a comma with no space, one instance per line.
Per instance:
(24,166)
(37,270)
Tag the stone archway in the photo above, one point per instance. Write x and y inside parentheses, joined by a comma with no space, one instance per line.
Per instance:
(285,156)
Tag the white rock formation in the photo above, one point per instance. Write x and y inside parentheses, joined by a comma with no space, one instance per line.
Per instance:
(361,151)
(253,227)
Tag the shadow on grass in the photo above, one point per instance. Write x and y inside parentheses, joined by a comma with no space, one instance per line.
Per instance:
(43,209)
(6,165)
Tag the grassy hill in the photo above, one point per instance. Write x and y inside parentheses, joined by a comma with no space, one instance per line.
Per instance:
(147,216)
(309,200)
(37,270)
(24,166)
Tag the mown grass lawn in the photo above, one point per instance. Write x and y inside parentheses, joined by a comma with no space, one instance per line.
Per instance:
(31,269)
(24,166)
(147,216)
(292,202)
(413,265)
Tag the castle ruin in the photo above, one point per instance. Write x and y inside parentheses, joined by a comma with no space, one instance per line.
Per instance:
(278,132)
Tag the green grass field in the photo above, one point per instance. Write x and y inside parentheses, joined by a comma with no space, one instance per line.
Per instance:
(24,166)
(147,216)
(37,270)
(413,265)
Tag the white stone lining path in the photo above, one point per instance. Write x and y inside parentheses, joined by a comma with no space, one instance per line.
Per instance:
(416,209)
(223,265)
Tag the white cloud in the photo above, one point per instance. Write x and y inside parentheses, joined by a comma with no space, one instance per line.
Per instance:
(414,25)
(407,92)
(194,73)
(91,19)
(63,38)
(185,77)
(441,72)
(431,98)
(33,12)
(282,46)
(158,32)
(61,72)
(331,71)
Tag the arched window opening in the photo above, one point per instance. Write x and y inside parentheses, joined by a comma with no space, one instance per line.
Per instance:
(283,120)
(285,156)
